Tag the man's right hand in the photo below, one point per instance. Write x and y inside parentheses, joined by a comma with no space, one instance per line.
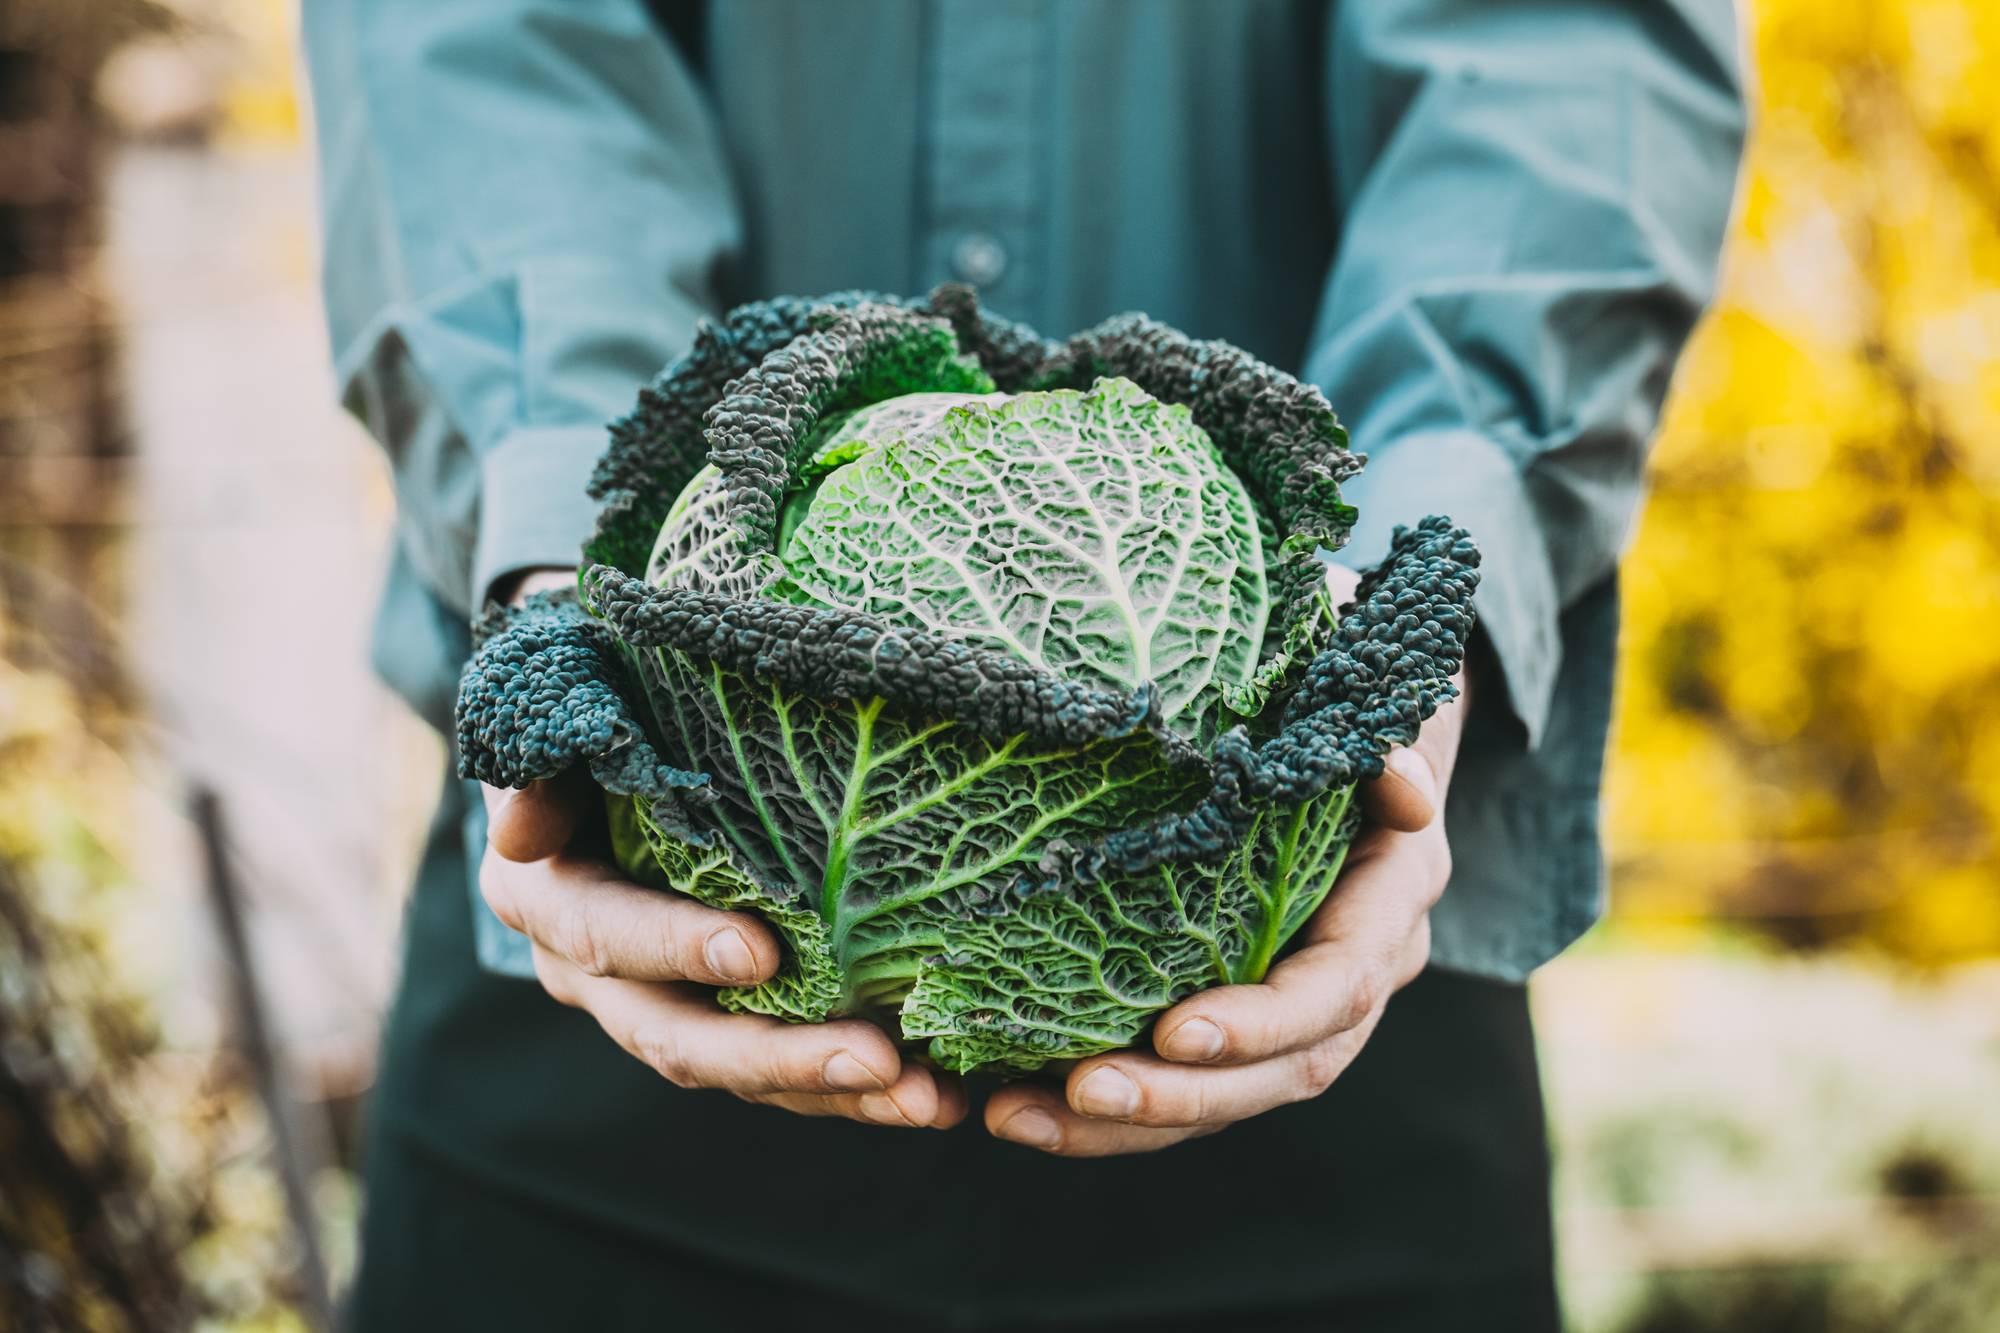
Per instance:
(640,960)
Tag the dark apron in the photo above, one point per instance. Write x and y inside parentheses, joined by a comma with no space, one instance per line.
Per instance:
(523,1172)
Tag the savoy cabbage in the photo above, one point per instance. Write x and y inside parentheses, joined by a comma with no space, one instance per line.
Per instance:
(999,675)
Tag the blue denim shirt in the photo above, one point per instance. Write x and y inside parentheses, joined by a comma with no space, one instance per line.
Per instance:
(1484,229)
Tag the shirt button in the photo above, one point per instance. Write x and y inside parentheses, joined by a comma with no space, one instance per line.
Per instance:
(978,258)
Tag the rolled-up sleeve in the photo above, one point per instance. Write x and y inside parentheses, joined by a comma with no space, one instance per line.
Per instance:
(1535,195)
(525,211)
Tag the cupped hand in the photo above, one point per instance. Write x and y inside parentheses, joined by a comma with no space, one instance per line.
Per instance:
(640,961)
(1233,1052)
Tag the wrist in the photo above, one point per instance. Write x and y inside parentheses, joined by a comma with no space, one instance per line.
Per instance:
(516,586)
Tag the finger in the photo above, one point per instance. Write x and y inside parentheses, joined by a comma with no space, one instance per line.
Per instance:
(680,1033)
(953,1102)
(1139,1089)
(1409,794)
(516,589)
(1340,584)
(913,1101)
(1405,797)
(1037,1118)
(534,821)
(610,927)
(920,1098)
(1358,948)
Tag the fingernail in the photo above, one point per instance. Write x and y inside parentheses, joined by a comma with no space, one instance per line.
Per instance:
(1106,1091)
(847,1074)
(882,1109)
(1414,769)
(728,953)
(1034,1127)
(1196,1039)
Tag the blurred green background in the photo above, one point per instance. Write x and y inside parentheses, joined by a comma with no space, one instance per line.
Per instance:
(1772,1072)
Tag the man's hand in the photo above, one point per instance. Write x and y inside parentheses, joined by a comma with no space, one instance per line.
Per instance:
(1237,1051)
(639,961)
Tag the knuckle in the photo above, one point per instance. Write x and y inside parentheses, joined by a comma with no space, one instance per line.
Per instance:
(1364,993)
(1439,865)
(1181,1105)
(796,1074)
(577,938)
(1281,1027)
(1418,955)
(667,1058)
(1173,1099)
(1318,1067)
(554,979)
(495,888)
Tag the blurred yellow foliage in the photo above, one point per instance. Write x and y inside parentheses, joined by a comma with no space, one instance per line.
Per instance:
(1809,730)
(260,103)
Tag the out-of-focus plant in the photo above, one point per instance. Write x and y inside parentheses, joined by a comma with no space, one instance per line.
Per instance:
(133,1189)
(1754,1143)
(1809,737)
(71,39)
(90,1236)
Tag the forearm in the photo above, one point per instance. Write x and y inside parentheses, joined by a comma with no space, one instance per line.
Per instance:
(1535,198)
(525,206)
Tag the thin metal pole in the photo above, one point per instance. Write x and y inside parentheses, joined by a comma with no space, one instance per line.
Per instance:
(254,1033)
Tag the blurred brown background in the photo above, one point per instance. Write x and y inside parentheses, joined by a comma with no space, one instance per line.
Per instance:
(1773,1072)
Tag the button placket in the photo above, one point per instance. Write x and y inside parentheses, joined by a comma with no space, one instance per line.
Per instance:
(982,204)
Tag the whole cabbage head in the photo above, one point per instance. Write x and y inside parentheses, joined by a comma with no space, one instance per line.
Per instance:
(1000,676)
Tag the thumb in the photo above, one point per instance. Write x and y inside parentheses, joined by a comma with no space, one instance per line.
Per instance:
(1410,792)
(532,823)
(1406,797)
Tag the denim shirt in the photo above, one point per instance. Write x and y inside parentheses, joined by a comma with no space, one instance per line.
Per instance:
(1485,230)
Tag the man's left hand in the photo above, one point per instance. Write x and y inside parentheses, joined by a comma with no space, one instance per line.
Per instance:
(1229,1053)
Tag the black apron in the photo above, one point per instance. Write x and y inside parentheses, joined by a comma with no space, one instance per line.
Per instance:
(523,1172)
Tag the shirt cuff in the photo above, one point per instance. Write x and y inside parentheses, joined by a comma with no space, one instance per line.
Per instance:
(533,509)
(1467,476)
